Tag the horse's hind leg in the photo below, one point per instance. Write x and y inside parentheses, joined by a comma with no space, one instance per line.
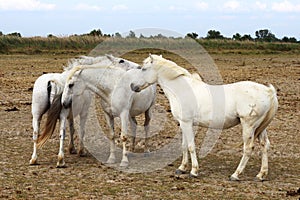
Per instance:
(265,144)
(36,127)
(248,138)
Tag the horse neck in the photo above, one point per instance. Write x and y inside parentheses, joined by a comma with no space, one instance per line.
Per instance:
(102,80)
(176,87)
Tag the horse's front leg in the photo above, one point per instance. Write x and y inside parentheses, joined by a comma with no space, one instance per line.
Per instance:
(83,118)
(62,133)
(124,128)
(110,121)
(36,128)
(148,116)
(188,134)
(71,146)
(182,169)
(133,124)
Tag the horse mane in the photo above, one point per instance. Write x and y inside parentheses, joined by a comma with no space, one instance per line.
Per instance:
(169,69)
(84,60)
(82,67)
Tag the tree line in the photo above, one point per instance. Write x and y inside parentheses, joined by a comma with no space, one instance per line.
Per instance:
(263,35)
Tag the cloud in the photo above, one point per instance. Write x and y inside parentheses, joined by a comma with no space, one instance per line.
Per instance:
(260,5)
(83,6)
(119,7)
(27,5)
(177,8)
(231,5)
(285,6)
(201,5)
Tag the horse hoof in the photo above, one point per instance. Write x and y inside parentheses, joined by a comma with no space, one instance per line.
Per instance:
(233,178)
(33,161)
(193,175)
(179,172)
(72,151)
(258,179)
(124,164)
(111,161)
(61,165)
(83,154)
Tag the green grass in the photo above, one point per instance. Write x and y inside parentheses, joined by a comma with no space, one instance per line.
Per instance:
(84,44)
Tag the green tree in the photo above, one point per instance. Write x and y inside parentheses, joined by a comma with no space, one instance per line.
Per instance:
(1,33)
(212,34)
(131,34)
(15,34)
(118,35)
(287,39)
(237,36)
(265,35)
(246,37)
(192,35)
(96,33)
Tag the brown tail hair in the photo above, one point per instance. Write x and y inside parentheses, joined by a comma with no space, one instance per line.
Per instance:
(271,112)
(52,117)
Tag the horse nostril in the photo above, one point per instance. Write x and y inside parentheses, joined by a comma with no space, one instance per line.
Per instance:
(134,88)
(66,105)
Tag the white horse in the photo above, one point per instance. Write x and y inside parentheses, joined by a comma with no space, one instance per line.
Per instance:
(117,99)
(215,106)
(46,95)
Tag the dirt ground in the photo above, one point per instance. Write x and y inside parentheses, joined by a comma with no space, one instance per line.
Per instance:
(87,178)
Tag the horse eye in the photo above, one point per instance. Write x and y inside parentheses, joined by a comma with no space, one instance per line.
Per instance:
(71,85)
(139,67)
(144,69)
(121,61)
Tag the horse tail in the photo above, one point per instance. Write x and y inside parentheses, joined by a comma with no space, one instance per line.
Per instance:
(53,115)
(270,113)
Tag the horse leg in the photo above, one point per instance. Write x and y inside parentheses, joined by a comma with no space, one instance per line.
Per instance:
(187,132)
(248,138)
(265,144)
(83,118)
(36,127)
(110,121)
(182,169)
(133,124)
(62,133)
(148,116)
(71,146)
(124,120)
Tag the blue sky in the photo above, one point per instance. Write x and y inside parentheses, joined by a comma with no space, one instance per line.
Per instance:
(65,17)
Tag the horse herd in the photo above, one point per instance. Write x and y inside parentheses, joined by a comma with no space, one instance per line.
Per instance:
(127,90)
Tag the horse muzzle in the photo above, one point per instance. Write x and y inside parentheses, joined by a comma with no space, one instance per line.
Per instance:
(135,88)
(67,104)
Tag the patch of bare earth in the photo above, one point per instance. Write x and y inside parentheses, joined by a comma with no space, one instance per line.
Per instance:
(87,178)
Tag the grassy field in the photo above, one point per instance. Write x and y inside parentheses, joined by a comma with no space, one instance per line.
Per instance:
(84,44)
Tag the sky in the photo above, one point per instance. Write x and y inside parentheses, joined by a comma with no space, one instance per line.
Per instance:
(66,17)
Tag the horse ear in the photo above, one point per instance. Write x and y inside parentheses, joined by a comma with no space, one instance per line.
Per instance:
(160,55)
(110,57)
(151,57)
